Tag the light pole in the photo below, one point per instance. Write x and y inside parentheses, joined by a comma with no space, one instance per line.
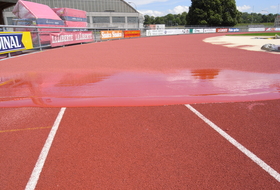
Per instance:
(252,16)
(137,13)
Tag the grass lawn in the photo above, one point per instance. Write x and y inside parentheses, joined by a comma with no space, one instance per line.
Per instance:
(256,34)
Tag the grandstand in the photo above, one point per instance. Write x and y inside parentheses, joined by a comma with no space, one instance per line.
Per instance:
(100,13)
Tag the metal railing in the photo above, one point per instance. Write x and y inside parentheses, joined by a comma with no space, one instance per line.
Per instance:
(38,31)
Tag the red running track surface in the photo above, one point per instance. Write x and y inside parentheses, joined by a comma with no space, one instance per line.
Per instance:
(152,147)
(145,71)
(163,147)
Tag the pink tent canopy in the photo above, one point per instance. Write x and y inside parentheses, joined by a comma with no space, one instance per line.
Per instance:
(64,12)
(28,10)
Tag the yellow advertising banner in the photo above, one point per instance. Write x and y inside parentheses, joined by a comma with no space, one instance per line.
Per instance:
(15,41)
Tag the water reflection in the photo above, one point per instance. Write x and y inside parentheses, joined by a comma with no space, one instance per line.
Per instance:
(87,88)
(205,73)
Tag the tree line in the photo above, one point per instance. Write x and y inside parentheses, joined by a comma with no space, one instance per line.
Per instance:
(211,13)
(168,20)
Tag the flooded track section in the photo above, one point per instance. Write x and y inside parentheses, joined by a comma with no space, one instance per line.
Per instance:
(137,88)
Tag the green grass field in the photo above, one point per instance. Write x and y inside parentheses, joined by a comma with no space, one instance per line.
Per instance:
(256,34)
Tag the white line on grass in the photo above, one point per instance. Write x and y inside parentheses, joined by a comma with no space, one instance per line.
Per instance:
(247,152)
(44,153)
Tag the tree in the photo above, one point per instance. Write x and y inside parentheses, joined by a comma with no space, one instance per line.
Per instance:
(213,13)
(183,18)
(159,20)
(170,20)
(147,20)
(229,13)
(201,18)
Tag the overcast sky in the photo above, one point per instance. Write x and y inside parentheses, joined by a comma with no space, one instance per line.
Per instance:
(164,7)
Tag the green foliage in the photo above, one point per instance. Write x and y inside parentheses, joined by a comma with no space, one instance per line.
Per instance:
(213,13)
(168,20)
(256,18)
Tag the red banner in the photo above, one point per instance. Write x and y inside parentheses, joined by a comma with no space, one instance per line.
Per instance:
(65,38)
(132,33)
(220,30)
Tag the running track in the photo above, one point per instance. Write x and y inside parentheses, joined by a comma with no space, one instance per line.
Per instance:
(143,147)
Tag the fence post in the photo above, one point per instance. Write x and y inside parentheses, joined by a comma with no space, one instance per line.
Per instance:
(39,40)
(94,36)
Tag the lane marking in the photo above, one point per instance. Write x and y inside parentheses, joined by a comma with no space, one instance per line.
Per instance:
(244,150)
(26,129)
(44,153)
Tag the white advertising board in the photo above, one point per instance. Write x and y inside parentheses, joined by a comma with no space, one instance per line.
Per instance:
(256,29)
(167,32)
(154,32)
(198,31)
(160,26)
(210,30)
(176,31)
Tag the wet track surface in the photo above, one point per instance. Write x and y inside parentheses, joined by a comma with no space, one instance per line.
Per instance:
(137,88)
(111,136)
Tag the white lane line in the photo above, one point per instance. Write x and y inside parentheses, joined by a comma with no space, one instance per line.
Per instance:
(44,153)
(247,152)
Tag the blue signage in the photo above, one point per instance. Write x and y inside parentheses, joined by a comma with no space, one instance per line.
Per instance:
(11,42)
(76,19)
(234,30)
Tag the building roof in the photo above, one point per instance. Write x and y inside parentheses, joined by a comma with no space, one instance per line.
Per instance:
(89,5)
(7,3)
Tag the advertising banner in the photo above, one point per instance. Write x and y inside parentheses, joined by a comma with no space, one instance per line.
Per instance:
(197,31)
(167,32)
(176,31)
(234,30)
(209,30)
(156,27)
(154,32)
(270,29)
(15,41)
(113,34)
(65,38)
(221,30)
(132,33)
(256,29)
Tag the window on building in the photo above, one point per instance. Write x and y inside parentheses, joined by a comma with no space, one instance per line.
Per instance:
(10,21)
(132,19)
(100,19)
(118,19)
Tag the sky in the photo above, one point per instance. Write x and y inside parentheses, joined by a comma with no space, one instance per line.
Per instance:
(164,7)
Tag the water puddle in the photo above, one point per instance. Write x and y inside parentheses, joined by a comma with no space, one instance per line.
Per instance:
(86,88)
